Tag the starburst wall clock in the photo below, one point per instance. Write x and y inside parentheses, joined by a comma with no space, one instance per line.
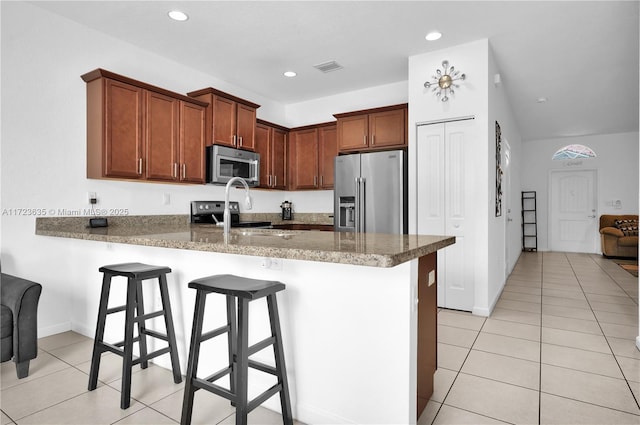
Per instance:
(443,82)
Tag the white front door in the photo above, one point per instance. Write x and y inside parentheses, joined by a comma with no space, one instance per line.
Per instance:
(573,226)
(443,204)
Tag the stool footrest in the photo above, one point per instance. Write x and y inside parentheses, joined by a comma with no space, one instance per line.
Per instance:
(261,345)
(156,334)
(116,309)
(148,316)
(263,367)
(216,389)
(121,343)
(262,397)
(219,374)
(157,353)
(214,333)
(105,346)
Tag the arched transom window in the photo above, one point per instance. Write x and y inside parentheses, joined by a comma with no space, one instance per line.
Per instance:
(574,152)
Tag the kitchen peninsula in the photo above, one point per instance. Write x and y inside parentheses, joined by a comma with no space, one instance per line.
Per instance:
(359,346)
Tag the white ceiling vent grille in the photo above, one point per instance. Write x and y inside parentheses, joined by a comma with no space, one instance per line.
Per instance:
(328,66)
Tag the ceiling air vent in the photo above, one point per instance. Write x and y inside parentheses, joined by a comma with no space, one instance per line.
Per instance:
(328,66)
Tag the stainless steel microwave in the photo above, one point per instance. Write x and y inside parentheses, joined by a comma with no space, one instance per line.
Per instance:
(223,163)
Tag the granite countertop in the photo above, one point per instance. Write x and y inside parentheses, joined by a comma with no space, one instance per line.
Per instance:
(364,249)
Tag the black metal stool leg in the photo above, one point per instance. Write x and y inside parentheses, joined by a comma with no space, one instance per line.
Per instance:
(194,353)
(142,329)
(127,360)
(242,362)
(231,342)
(171,335)
(102,319)
(278,349)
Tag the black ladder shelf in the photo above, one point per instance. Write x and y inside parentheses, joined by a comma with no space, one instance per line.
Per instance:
(529,221)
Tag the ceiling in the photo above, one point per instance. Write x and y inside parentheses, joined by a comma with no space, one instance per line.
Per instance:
(582,56)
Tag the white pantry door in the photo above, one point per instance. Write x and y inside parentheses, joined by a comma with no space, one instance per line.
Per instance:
(443,205)
(573,224)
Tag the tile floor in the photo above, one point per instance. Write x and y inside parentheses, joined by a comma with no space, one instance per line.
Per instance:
(559,348)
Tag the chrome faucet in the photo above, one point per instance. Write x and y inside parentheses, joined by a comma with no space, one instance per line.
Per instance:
(226,217)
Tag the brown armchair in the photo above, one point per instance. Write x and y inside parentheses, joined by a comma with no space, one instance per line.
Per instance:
(619,240)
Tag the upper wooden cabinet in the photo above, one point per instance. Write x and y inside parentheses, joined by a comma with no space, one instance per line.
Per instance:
(312,150)
(138,131)
(372,129)
(271,144)
(230,121)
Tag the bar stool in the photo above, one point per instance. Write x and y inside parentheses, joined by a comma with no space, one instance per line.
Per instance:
(240,291)
(135,274)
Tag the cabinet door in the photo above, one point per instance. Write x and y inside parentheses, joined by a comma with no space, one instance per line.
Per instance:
(224,121)
(262,140)
(161,134)
(192,142)
(246,127)
(123,130)
(388,129)
(352,133)
(303,159)
(279,159)
(328,146)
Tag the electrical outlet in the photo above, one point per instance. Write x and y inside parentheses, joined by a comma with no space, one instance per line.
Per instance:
(93,198)
(271,263)
(166,199)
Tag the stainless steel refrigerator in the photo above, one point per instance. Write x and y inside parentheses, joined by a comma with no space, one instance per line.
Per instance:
(370,192)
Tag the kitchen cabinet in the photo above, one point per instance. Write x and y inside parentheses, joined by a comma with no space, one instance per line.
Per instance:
(372,129)
(312,150)
(271,144)
(230,121)
(142,132)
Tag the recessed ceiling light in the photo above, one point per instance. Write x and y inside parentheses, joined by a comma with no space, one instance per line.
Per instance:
(433,36)
(177,15)
(290,74)
(541,99)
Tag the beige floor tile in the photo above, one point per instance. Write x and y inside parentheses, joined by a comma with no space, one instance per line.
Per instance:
(42,365)
(429,413)
(508,346)
(5,420)
(586,361)
(588,387)
(101,406)
(630,368)
(146,416)
(562,411)
(616,318)
(487,397)
(518,296)
(519,288)
(579,340)
(611,299)
(25,399)
(60,340)
(510,370)
(565,302)
(619,331)
(151,384)
(260,416)
(518,305)
(76,353)
(614,308)
(560,293)
(573,313)
(602,289)
(442,381)
(516,316)
(560,286)
(624,347)
(460,320)
(456,336)
(449,415)
(208,408)
(514,329)
(568,324)
(451,356)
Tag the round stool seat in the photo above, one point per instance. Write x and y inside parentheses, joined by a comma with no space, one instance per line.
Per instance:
(134,270)
(237,286)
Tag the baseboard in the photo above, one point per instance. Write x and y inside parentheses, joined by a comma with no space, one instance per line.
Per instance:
(638,342)
(312,414)
(55,329)
(83,330)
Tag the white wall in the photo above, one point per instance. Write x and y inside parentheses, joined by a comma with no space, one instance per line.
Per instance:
(616,164)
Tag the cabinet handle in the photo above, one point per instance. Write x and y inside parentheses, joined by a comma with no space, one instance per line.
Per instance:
(321,180)
(235,140)
(364,139)
(175,170)
(240,138)
(315,181)
(140,166)
(269,183)
(373,139)
(275,181)
(184,171)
